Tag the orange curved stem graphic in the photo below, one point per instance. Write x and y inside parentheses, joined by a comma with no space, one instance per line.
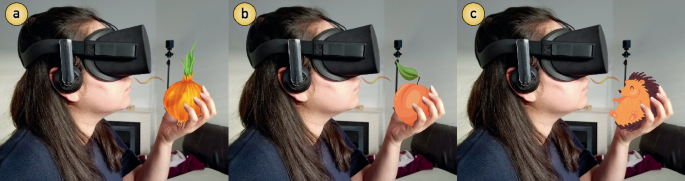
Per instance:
(605,79)
(148,80)
(374,81)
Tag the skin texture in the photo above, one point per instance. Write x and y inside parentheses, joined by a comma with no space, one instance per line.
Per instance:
(97,99)
(554,99)
(325,99)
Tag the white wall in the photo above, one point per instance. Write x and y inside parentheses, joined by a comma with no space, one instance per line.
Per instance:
(184,22)
(579,14)
(429,40)
(365,12)
(136,12)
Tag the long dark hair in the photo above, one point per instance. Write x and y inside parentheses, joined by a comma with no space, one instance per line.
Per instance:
(39,108)
(496,108)
(268,108)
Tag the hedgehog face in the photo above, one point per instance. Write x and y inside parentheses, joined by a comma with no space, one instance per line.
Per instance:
(633,88)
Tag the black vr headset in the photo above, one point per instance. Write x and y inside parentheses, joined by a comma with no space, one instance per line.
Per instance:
(108,54)
(336,54)
(565,54)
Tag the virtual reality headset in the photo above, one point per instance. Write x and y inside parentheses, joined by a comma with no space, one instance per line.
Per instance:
(108,54)
(564,54)
(336,54)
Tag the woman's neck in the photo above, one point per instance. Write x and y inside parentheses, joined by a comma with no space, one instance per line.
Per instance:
(543,121)
(315,121)
(85,120)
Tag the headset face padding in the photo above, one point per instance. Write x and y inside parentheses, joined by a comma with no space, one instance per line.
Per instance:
(546,64)
(89,64)
(290,86)
(319,65)
(61,87)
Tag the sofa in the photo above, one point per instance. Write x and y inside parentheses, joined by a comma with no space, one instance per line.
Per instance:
(666,144)
(438,144)
(209,144)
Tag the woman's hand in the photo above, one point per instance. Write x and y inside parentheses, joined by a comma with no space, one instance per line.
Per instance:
(665,111)
(170,131)
(398,130)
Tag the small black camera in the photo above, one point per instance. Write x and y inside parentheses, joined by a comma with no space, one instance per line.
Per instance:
(398,45)
(626,44)
(169,44)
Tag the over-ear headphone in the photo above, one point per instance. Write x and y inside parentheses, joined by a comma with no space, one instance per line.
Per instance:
(522,87)
(62,83)
(65,86)
(293,87)
(527,87)
(290,86)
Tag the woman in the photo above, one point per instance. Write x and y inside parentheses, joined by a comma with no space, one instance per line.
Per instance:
(291,136)
(520,135)
(63,136)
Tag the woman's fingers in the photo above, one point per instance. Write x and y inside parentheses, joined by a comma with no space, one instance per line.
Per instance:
(431,109)
(204,90)
(433,90)
(666,101)
(661,112)
(438,102)
(203,109)
(420,118)
(210,102)
(192,117)
(661,90)
(649,119)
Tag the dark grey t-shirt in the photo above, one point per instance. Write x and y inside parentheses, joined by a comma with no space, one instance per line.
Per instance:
(482,157)
(25,157)
(253,157)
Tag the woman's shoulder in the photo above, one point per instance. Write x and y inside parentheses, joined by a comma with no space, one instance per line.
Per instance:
(252,156)
(480,156)
(24,155)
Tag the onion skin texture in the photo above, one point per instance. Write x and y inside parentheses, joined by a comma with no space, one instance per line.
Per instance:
(179,93)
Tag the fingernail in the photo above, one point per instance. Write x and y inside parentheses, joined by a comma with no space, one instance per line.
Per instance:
(203,88)
(184,104)
(642,105)
(433,88)
(197,99)
(425,99)
(431,94)
(657,94)
(653,98)
(413,104)
(202,94)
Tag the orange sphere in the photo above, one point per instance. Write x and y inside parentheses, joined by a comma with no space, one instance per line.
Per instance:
(407,95)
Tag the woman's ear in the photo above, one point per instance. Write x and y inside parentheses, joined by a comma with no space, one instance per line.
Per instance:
(530,97)
(71,97)
(301,97)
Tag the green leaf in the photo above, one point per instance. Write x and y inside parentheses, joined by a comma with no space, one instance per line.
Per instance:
(184,66)
(190,61)
(407,73)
